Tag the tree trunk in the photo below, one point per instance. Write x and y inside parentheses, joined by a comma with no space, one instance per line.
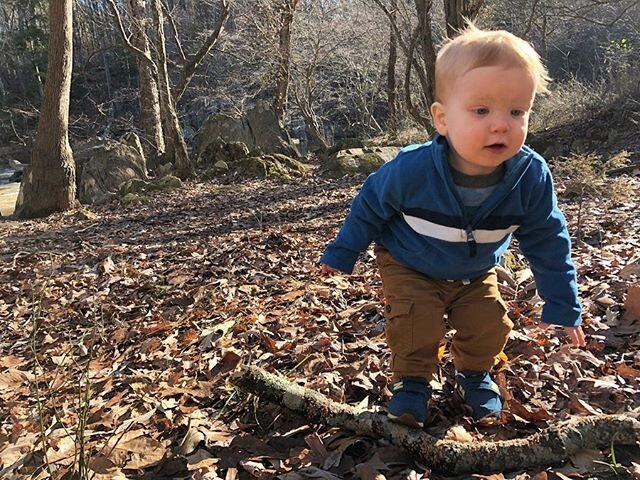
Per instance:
(176,146)
(423,63)
(284,59)
(49,184)
(392,93)
(311,120)
(458,13)
(427,50)
(153,138)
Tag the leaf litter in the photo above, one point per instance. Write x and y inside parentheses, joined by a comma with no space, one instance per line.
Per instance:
(120,331)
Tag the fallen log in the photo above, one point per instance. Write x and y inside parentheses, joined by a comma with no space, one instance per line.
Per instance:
(550,446)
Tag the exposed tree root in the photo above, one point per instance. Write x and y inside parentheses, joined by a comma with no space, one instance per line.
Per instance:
(550,446)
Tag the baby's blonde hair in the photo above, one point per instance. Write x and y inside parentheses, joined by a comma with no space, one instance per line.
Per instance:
(475,48)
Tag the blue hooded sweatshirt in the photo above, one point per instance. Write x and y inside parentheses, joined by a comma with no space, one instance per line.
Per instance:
(410,207)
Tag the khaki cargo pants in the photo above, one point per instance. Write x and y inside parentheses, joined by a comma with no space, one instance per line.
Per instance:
(415,310)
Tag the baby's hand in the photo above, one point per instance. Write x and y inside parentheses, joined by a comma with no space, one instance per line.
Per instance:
(575,334)
(326,269)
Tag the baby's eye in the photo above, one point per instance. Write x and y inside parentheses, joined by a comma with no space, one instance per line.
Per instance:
(517,113)
(481,111)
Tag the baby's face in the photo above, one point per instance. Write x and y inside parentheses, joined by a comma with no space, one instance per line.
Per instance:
(485,116)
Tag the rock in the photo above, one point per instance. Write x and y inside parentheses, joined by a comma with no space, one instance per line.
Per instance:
(135,185)
(16,165)
(357,160)
(15,153)
(138,186)
(134,198)
(103,168)
(275,165)
(259,130)
(295,166)
(219,150)
(133,140)
(168,183)
(84,214)
(260,167)
(237,150)
(164,169)
(221,166)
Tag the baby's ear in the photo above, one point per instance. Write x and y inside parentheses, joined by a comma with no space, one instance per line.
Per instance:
(439,118)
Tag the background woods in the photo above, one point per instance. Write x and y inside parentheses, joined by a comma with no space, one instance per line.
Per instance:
(331,69)
(215,147)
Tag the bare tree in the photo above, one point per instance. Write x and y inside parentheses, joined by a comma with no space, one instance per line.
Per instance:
(392,88)
(418,45)
(287,10)
(176,149)
(154,144)
(176,146)
(458,13)
(49,184)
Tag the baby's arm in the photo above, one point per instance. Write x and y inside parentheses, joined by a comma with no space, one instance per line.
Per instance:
(376,203)
(544,240)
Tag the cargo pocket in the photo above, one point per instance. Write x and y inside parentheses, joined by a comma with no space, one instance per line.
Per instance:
(506,323)
(399,326)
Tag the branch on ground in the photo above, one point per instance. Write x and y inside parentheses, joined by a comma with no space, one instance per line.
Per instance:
(550,446)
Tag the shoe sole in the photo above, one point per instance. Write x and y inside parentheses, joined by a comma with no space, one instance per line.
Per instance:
(406,419)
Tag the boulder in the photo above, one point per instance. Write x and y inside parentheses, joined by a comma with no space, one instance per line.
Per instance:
(221,151)
(357,160)
(103,168)
(162,184)
(133,140)
(258,166)
(259,130)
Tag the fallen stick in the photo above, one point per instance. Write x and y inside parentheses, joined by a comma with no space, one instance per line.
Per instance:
(551,446)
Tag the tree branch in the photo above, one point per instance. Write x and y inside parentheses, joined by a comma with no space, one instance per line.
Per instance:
(552,445)
(193,62)
(174,29)
(127,41)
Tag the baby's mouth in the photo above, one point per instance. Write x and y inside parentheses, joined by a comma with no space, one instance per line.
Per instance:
(496,147)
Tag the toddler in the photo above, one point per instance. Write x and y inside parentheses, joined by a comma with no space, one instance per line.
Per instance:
(441,215)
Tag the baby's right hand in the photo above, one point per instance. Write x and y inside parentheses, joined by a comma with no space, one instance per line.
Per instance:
(326,269)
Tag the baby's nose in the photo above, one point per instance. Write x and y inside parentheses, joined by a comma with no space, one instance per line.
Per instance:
(499,123)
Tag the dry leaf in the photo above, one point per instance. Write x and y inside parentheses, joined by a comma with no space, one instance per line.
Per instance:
(580,406)
(632,302)
(540,476)
(190,441)
(108,267)
(627,372)
(632,268)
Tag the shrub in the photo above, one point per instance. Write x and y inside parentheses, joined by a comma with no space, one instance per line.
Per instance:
(585,176)
(570,102)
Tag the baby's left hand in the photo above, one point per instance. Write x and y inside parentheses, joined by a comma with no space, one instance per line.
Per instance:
(575,334)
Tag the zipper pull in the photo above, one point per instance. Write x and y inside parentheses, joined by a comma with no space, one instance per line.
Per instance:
(471,242)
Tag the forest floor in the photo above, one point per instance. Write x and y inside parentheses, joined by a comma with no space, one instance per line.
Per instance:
(122,325)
